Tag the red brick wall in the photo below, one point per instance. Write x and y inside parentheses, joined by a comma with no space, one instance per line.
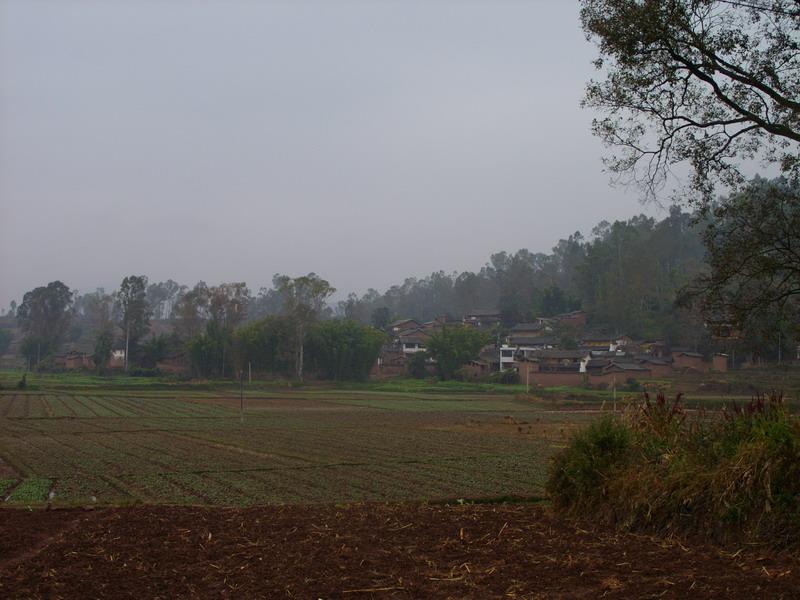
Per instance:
(661,370)
(172,366)
(386,371)
(680,362)
(549,379)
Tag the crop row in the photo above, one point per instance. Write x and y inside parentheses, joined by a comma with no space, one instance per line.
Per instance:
(90,407)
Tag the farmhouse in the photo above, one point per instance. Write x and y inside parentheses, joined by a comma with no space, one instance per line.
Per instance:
(413,340)
(482,318)
(73,360)
(403,325)
(525,345)
(575,318)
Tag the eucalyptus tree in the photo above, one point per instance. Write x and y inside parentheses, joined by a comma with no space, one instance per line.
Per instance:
(133,312)
(190,311)
(227,309)
(304,302)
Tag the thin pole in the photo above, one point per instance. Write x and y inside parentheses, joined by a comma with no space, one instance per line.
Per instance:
(249,372)
(127,340)
(614,388)
(527,378)
(241,397)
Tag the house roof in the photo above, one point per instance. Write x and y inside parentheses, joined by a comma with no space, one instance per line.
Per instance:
(606,354)
(414,336)
(651,360)
(690,354)
(402,322)
(623,366)
(571,368)
(538,326)
(483,312)
(559,354)
(522,340)
(573,313)
(597,363)
(598,337)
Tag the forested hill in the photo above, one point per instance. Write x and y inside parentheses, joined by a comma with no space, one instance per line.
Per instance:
(624,274)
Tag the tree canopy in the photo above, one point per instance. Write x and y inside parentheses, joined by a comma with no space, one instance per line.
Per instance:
(453,347)
(133,312)
(344,350)
(705,82)
(44,316)
(303,301)
(753,245)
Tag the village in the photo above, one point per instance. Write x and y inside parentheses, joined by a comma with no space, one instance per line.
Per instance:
(549,351)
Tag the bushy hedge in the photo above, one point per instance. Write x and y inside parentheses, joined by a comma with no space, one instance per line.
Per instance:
(731,474)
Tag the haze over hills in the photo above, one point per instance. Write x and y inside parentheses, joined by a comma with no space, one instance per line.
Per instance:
(231,141)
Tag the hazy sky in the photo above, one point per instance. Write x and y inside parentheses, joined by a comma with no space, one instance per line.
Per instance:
(226,141)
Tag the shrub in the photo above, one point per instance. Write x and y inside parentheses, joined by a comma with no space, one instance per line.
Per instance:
(731,474)
(416,365)
(579,472)
(632,385)
(141,372)
(507,377)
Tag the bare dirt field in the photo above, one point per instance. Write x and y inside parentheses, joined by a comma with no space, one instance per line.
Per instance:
(364,551)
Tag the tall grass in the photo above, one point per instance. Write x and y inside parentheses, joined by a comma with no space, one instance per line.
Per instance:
(733,473)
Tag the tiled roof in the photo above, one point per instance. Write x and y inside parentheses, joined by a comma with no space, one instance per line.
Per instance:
(521,340)
(483,312)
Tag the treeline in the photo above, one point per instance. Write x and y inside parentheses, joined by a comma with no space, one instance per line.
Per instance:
(627,275)
(210,329)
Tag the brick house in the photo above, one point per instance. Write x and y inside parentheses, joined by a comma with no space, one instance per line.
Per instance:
(73,361)
(684,360)
(413,340)
(575,319)
(482,318)
(402,325)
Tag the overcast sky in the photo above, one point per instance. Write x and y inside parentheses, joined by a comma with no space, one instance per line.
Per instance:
(228,141)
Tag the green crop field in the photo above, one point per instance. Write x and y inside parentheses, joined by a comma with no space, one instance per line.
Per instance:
(72,441)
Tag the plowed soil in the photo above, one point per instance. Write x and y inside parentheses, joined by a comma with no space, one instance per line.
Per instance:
(364,551)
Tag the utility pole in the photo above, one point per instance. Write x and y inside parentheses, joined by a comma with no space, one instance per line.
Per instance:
(241,396)
(249,372)
(614,390)
(527,378)
(127,340)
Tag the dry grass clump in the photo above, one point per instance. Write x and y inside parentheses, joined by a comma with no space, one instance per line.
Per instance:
(733,473)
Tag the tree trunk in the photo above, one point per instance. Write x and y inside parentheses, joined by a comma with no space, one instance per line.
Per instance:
(300,341)
(127,342)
